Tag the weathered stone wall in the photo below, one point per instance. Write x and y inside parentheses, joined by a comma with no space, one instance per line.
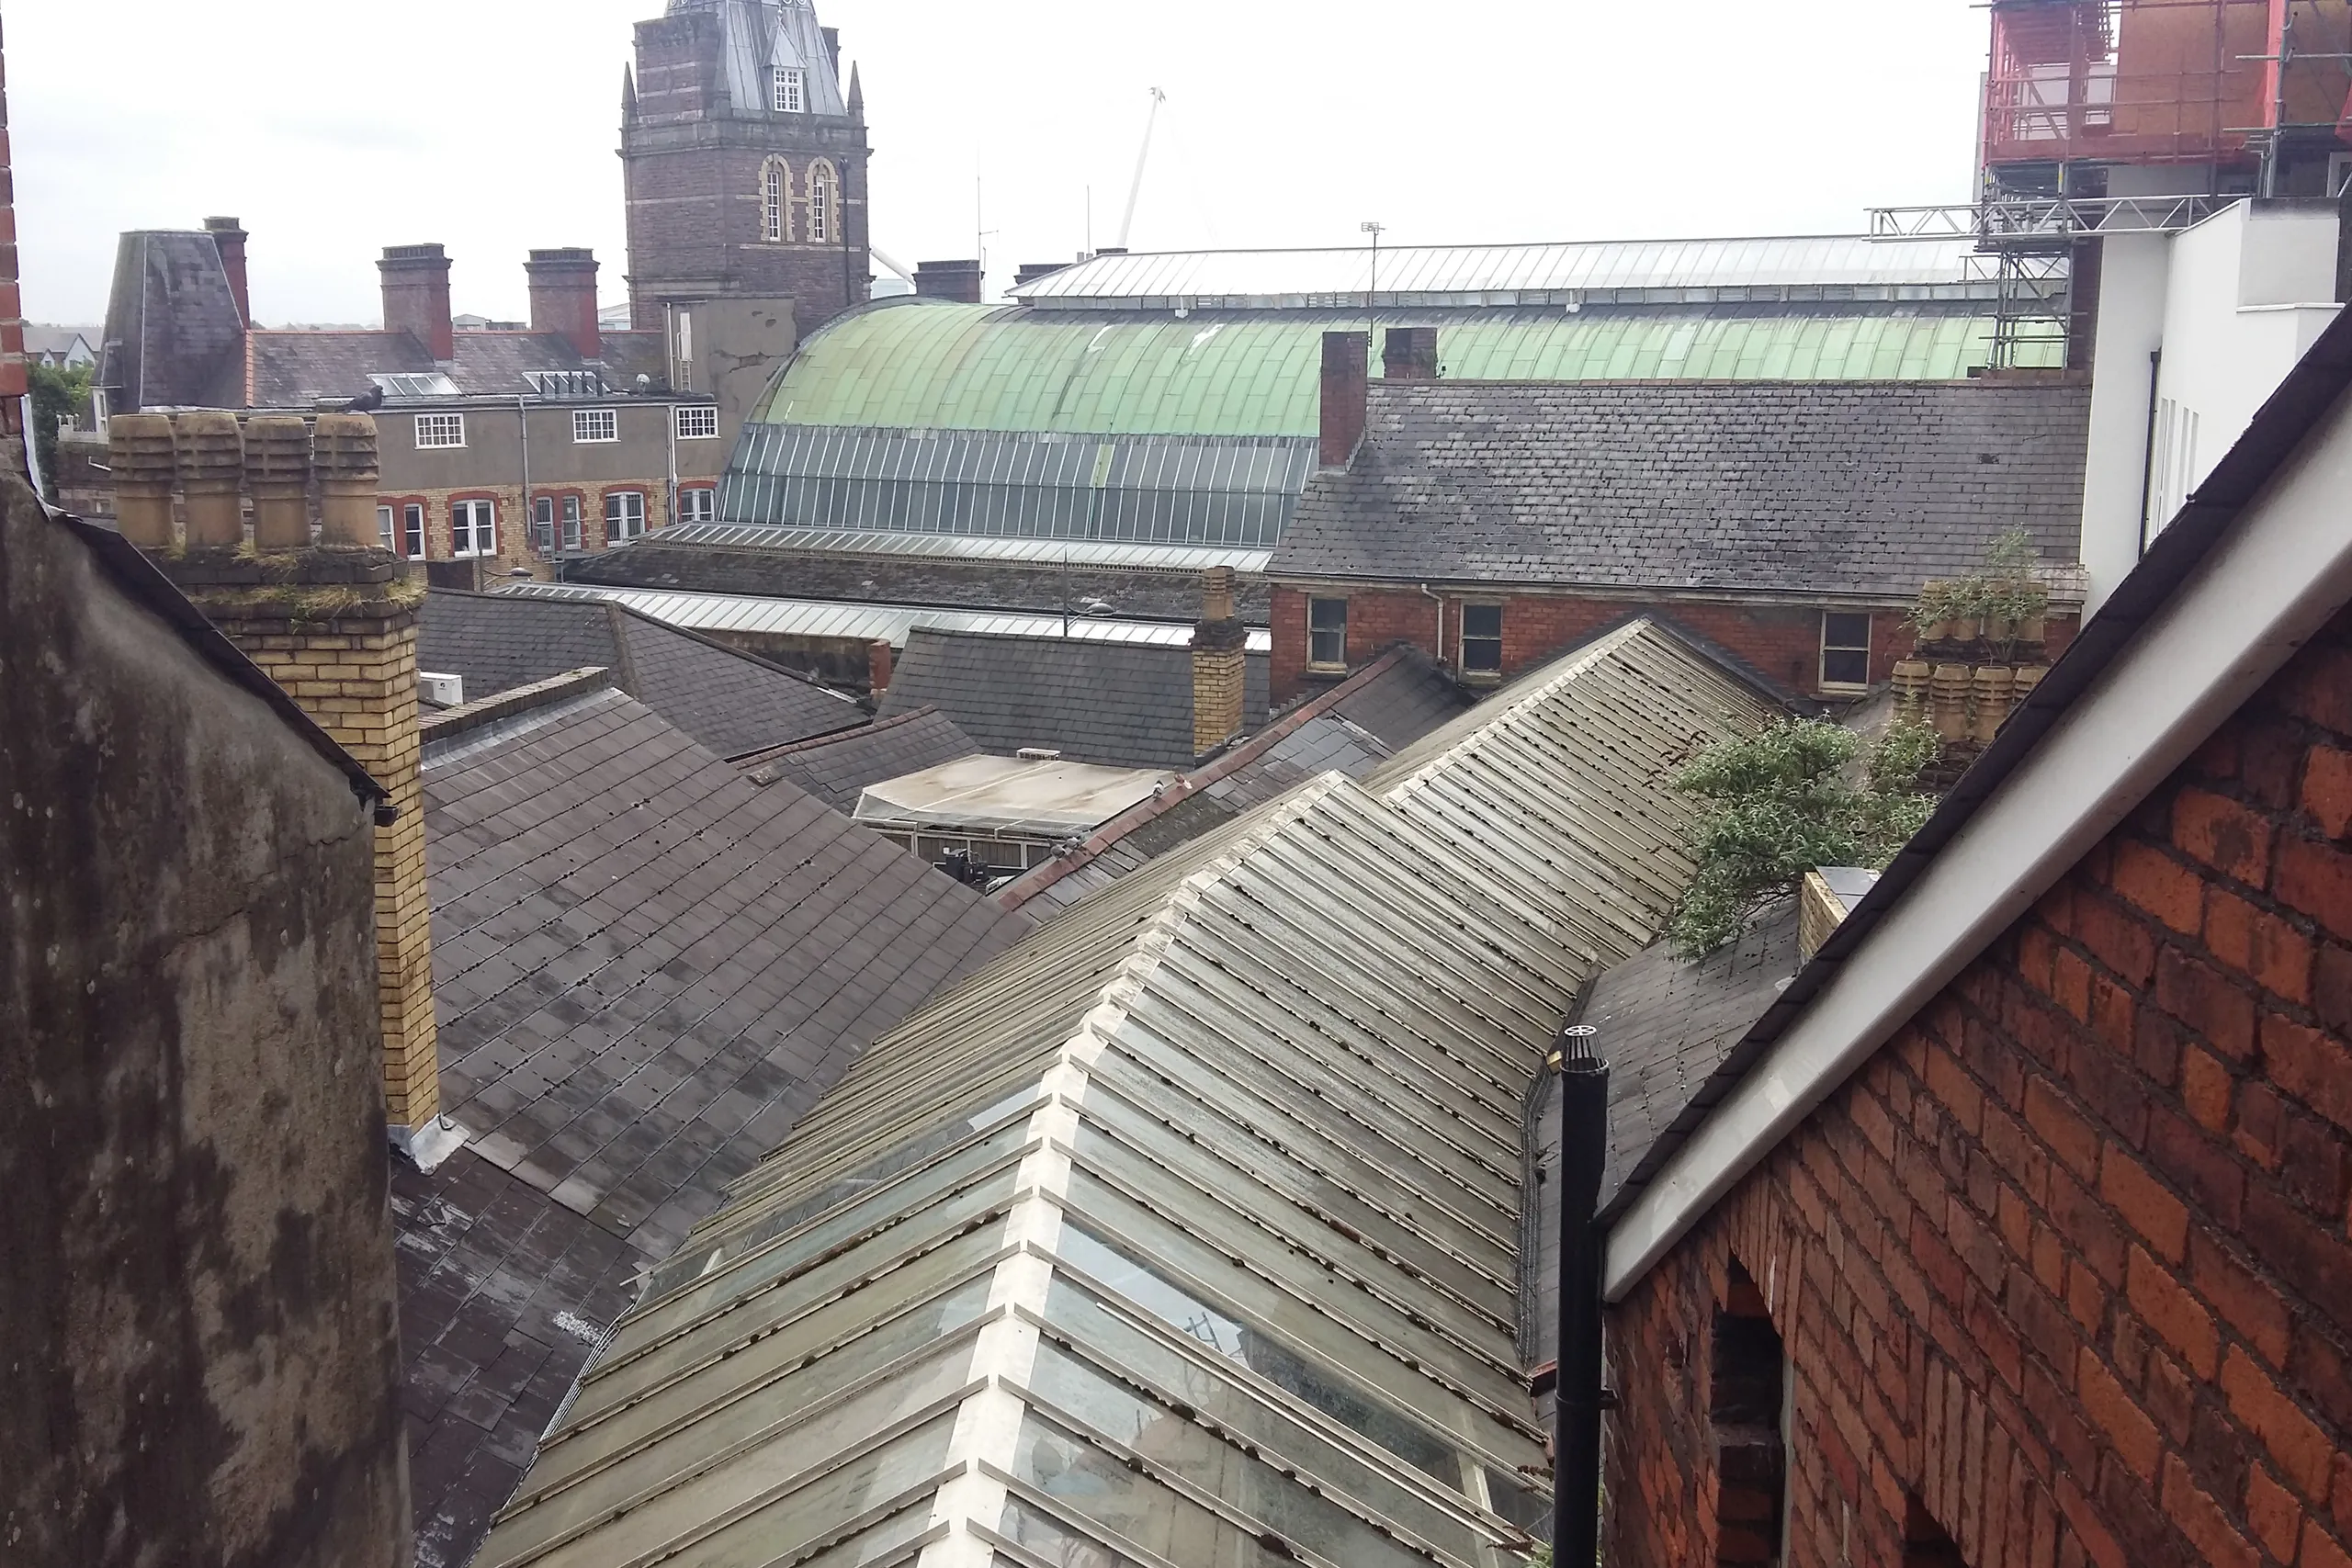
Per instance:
(197,1298)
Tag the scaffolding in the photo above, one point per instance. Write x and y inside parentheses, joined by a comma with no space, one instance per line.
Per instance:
(2222,83)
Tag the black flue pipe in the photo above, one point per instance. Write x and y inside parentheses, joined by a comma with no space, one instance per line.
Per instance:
(1576,1390)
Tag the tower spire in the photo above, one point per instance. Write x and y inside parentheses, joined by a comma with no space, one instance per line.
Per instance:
(856,93)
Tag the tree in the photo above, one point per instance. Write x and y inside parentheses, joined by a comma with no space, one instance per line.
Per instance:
(57,392)
(1785,800)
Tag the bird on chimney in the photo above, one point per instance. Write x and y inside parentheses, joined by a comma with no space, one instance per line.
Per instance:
(367,401)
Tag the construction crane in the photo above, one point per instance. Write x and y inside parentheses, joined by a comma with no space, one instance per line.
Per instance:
(1134,192)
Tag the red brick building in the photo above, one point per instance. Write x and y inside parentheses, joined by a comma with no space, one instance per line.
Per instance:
(1791,524)
(744,161)
(2014,1231)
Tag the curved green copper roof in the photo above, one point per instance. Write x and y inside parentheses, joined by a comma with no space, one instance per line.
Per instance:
(944,366)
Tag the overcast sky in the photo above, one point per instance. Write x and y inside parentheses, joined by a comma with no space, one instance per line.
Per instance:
(490,125)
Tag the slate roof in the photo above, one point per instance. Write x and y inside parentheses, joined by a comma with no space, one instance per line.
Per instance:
(837,768)
(1350,729)
(663,559)
(1666,1024)
(646,969)
(173,334)
(727,700)
(1244,1133)
(1115,705)
(1869,489)
(289,369)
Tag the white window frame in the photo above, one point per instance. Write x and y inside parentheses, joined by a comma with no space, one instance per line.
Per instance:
(1463,640)
(704,422)
(823,189)
(543,523)
(595,427)
(386,521)
(790,90)
(707,500)
(775,200)
(619,525)
(412,530)
(1828,647)
(568,519)
(476,537)
(1315,631)
(434,430)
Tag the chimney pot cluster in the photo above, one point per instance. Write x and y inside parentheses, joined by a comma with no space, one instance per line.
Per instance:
(214,464)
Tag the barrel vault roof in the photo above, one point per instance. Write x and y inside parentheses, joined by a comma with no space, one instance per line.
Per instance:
(927,365)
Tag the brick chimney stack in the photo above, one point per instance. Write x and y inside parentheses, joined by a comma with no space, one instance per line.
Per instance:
(229,237)
(336,625)
(1220,664)
(416,297)
(1411,355)
(564,298)
(881,662)
(1346,384)
(958,280)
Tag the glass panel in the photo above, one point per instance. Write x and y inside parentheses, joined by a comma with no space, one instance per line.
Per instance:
(808,1333)
(910,1196)
(741,1300)
(1123,1344)
(1531,1511)
(1092,1484)
(791,1523)
(1303,1229)
(871,1546)
(1053,1540)
(699,1462)
(578,1449)
(1159,1296)
(1177,1447)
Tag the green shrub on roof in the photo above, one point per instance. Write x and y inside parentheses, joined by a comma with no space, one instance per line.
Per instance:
(1786,800)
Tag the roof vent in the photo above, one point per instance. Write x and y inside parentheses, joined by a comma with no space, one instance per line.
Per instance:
(1037,754)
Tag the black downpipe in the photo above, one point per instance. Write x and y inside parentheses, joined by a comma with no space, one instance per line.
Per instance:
(1577,1395)
(2148,464)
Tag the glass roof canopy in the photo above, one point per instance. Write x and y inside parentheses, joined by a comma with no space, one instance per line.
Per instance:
(1186,1232)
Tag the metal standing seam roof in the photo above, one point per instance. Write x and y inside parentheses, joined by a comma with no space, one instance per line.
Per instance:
(1186,1231)
(864,623)
(1481,272)
(934,366)
(952,547)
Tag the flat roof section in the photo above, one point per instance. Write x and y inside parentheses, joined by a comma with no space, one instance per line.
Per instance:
(849,621)
(1033,798)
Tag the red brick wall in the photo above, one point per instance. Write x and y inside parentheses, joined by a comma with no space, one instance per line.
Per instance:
(2066,1263)
(1780,641)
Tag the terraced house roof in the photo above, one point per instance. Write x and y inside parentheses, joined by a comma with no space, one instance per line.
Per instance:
(1186,1231)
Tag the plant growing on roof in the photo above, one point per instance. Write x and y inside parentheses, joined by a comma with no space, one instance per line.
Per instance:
(1797,794)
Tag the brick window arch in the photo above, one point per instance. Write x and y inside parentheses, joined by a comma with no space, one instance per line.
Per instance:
(775,200)
(824,202)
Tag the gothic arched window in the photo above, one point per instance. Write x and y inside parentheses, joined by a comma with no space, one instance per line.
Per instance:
(824,199)
(775,199)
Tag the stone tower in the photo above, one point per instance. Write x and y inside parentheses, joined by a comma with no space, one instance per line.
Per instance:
(744,161)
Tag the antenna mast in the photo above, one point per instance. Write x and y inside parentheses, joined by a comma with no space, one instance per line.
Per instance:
(1134,192)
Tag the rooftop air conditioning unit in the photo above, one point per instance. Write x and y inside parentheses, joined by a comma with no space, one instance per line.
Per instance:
(442,691)
(1037,754)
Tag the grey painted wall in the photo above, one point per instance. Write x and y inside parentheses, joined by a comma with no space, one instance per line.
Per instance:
(197,1303)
